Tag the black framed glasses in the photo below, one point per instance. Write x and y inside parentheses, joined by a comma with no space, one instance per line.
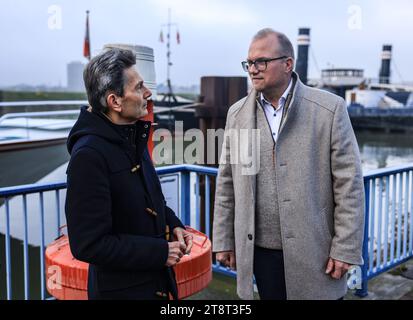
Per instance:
(259,64)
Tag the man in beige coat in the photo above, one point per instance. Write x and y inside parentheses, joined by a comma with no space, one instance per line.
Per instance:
(294,216)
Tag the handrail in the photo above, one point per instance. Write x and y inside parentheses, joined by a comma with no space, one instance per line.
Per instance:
(33,188)
(38,114)
(43,187)
(44,103)
(187,168)
(379,173)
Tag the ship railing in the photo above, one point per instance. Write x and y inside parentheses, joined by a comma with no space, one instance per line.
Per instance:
(56,116)
(388,230)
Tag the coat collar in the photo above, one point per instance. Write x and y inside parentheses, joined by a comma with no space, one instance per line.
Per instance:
(245,117)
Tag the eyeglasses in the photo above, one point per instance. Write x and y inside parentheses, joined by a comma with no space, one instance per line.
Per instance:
(259,64)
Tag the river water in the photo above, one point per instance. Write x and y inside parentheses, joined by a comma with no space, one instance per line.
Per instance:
(380,150)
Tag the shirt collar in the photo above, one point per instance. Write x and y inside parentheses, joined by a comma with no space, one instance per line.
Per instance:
(282,100)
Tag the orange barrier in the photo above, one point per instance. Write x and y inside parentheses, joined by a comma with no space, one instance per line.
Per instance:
(193,272)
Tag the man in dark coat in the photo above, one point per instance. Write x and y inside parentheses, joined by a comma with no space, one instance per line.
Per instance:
(117,217)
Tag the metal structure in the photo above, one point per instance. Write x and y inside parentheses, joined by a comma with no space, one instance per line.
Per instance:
(169,96)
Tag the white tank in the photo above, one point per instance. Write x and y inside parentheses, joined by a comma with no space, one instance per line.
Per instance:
(145,63)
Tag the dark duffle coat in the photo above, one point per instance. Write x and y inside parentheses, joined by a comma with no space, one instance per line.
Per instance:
(115,210)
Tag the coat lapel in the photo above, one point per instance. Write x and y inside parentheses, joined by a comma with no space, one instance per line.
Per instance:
(292,101)
(246,119)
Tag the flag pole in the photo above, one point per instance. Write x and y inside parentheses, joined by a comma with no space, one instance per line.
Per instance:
(86,44)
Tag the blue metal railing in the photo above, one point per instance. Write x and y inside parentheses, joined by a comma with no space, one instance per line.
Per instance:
(388,233)
(388,239)
(24,191)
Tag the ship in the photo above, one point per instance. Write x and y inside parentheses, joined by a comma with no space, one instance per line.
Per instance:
(373,104)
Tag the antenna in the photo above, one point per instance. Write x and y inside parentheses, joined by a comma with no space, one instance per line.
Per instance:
(396,68)
(170,96)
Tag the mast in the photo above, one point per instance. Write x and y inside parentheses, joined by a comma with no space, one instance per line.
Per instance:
(170,96)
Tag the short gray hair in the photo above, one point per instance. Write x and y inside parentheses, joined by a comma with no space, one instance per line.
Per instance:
(286,46)
(106,72)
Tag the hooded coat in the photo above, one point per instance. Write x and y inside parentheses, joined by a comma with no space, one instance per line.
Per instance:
(116,213)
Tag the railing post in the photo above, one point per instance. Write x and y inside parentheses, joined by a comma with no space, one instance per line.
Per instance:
(26,251)
(185,206)
(197,203)
(8,253)
(207,206)
(42,249)
(363,292)
(58,214)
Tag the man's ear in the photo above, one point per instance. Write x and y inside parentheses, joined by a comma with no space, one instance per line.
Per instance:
(290,65)
(114,102)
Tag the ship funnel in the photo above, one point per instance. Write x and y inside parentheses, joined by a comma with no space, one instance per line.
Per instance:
(303,43)
(384,76)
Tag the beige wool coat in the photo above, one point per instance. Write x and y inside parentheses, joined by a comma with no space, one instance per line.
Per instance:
(320,193)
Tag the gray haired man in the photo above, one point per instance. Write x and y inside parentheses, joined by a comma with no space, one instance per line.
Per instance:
(296,225)
(117,217)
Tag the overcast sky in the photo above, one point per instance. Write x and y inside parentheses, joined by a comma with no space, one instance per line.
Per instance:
(215,34)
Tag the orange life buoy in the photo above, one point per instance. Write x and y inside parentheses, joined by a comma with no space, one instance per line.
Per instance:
(67,277)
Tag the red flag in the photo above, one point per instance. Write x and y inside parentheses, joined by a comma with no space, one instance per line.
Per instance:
(178,37)
(86,45)
(161,37)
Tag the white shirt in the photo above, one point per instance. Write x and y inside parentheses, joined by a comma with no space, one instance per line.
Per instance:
(274,114)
